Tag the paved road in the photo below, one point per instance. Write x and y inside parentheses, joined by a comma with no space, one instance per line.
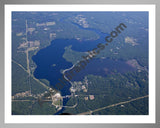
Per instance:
(113,105)
(44,85)
(23,100)
(19,65)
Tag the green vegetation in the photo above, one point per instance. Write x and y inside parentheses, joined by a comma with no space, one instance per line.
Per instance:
(139,107)
(108,90)
(31,62)
(44,81)
(45,109)
(18,55)
(19,79)
(32,108)
(72,56)
(37,88)
(114,89)
(21,108)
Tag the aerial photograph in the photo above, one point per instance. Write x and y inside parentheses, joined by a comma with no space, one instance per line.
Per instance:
(80,63)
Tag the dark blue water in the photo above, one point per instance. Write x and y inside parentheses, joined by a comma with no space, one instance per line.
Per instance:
(103,67)
(53,54)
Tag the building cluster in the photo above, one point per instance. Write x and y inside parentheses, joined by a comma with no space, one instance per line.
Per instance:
(81,21)
(52,35)
(30,44)
(91,97)
(45,24)
(78,86)
(34,43)
(30,30)
(22,94)
(131,41)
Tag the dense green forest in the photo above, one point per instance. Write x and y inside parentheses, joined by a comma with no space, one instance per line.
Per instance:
(113,88)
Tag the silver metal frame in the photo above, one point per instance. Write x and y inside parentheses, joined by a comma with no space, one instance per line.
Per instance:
(3,2)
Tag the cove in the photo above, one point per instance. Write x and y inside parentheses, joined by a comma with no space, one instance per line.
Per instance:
(103,67)
(53,55)
(50,61)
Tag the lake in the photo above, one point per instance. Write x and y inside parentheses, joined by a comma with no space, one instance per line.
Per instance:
(103,67)
(50,62)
